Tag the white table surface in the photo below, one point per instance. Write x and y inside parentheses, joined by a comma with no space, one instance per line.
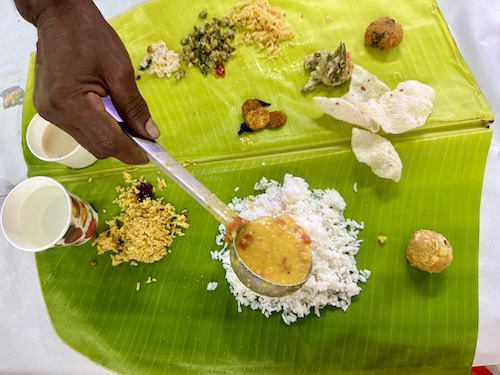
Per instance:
(29,345)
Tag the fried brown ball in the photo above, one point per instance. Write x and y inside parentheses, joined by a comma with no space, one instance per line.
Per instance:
(429,251)
(384,33)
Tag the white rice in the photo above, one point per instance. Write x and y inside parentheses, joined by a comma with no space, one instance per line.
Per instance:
(212,285)
(334,280)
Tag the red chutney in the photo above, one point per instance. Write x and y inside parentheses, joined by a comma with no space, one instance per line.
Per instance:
(275,248)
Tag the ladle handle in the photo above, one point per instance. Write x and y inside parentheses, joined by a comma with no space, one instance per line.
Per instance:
(181,176)
(175,171)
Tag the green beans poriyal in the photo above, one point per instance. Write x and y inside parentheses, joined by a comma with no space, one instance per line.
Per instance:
(209,44)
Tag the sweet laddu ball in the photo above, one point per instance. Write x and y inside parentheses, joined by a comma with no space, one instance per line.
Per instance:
(429,251)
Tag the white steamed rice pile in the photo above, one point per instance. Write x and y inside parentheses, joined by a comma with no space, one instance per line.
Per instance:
(334,280)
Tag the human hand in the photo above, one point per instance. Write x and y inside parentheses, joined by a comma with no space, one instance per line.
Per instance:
(80,58)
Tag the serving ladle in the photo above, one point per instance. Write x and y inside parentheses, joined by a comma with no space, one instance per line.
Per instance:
(219,210)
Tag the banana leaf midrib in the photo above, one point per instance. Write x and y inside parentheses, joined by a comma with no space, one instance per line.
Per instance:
(446,130)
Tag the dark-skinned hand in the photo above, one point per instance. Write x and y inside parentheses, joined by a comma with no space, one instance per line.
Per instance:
(80,58)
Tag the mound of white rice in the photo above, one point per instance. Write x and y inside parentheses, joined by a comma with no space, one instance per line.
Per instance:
(334,280)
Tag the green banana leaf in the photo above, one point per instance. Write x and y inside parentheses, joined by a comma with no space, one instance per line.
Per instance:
(403,322)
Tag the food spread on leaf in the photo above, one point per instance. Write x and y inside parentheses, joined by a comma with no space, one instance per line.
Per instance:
(210,45)
(200,117)
(369,104)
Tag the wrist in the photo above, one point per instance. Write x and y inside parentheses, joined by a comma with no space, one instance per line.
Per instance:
(35,10)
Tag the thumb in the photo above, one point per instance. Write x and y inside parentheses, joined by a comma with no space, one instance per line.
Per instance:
(134,111)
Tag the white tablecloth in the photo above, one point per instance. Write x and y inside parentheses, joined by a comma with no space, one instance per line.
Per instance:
(29,345)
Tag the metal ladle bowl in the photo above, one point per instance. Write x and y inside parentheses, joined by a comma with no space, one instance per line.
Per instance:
(257,283)
(221,211)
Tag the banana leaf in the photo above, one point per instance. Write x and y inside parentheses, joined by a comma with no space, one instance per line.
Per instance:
(404,321)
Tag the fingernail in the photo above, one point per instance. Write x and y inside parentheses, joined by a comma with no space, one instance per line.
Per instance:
(152,129)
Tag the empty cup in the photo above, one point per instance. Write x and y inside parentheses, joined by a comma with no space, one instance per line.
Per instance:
(39,213)
(50,143)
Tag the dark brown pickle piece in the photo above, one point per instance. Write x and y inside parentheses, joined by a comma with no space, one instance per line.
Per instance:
(257,118)
(277,119)
(250,105)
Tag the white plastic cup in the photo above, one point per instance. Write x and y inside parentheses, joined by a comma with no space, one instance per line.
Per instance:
(50,143)
(39,213)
